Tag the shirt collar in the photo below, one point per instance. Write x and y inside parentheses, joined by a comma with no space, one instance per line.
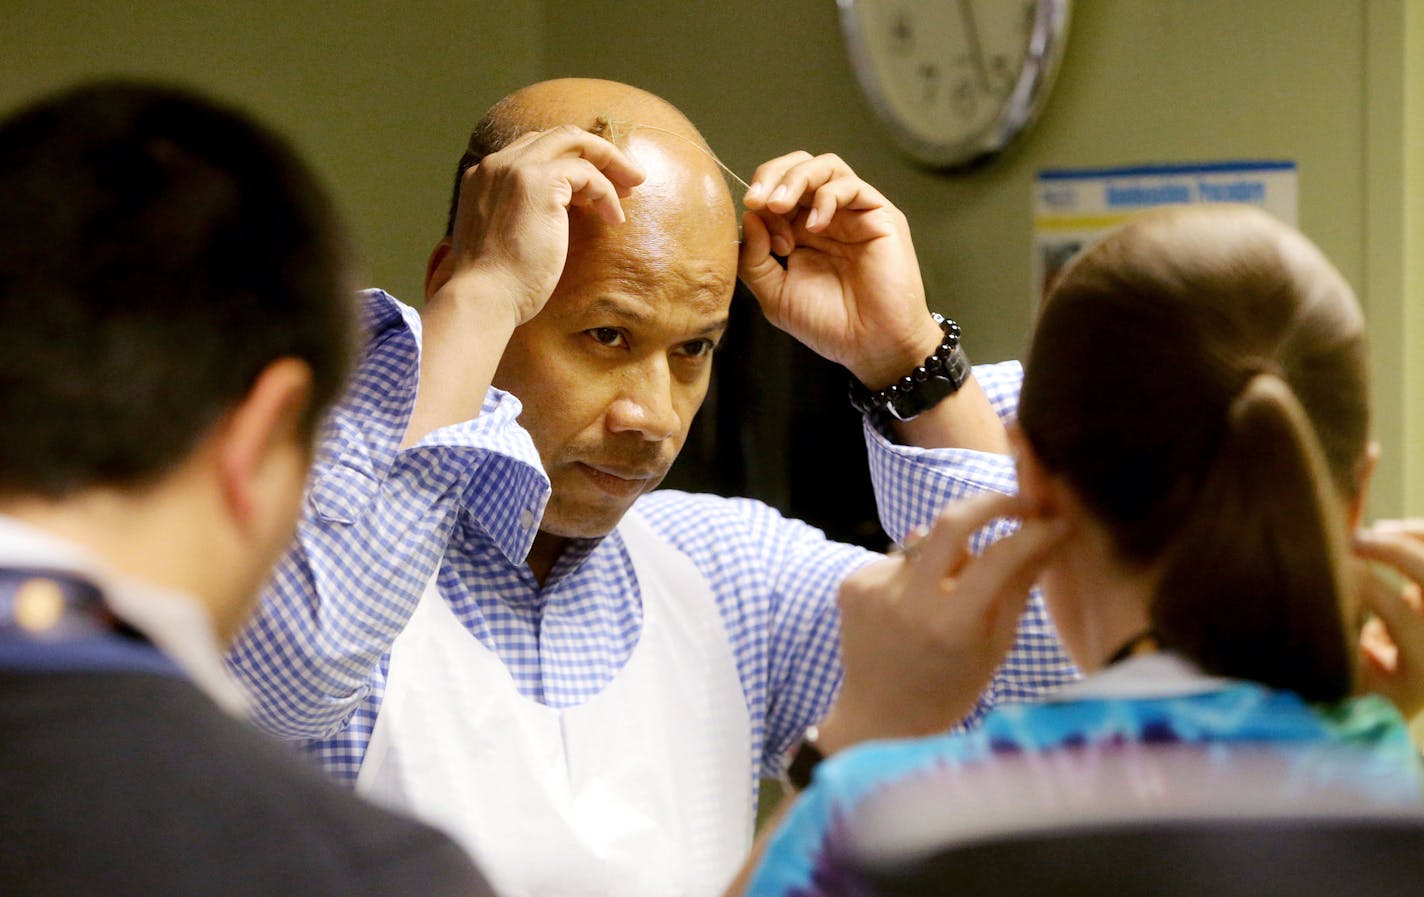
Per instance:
(176,623)
(1160,674)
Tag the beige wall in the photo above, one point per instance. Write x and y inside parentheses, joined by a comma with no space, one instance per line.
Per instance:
(380,96)
(1394,242)
(1409,399)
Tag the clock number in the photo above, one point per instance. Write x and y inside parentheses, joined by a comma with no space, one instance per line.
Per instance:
(902,34)
(976,49)
(966,99)
(1004,74)
(929,76)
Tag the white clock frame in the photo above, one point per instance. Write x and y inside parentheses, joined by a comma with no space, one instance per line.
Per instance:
(1018,109)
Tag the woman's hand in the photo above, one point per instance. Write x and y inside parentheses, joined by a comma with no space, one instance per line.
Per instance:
(923,631)
(1392,642)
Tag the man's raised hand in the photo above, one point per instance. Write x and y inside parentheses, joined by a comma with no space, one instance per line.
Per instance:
(503,260)
(512,224)
(851,288)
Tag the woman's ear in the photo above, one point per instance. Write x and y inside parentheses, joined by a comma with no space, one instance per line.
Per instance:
(1365,472)
(1035,483)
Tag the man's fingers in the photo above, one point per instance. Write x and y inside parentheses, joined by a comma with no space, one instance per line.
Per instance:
(801,184)
(831,197)
(768,176)
(588,188)
(799,194)
(519,142)
(783,235)
(804,193)
(566,140)
(797,186)
(757,269)
(567,165)
(821,184)
(616,165)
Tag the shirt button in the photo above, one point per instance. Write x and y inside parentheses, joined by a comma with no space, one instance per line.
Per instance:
(526,518)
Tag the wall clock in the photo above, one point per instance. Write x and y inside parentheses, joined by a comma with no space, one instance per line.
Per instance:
(955,81)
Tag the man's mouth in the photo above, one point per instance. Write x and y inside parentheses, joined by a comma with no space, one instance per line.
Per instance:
(618,480)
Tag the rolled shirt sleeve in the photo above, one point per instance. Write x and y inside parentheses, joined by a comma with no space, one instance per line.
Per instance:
(913,484)
(372,532)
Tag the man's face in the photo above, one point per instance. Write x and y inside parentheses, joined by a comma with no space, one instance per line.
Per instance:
(614,368)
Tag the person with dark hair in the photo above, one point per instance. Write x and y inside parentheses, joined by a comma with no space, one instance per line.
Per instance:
(490,617)
(1192,453)
(174,323)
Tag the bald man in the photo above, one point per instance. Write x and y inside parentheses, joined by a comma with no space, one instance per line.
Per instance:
(490,618)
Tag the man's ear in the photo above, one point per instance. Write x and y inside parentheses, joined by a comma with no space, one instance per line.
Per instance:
(437,268)
(265,423)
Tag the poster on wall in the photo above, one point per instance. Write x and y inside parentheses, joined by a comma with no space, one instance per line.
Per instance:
(1073,206)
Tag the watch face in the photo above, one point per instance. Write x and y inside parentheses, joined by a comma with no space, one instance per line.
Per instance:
(955,80)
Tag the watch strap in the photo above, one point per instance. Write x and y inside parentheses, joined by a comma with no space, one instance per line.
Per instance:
(941,375)
(805,757)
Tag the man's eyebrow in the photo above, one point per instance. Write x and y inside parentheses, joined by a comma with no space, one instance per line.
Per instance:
(616,309)
(717,326)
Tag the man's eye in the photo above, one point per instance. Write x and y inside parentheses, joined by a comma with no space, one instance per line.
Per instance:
(698,348)
(606,336)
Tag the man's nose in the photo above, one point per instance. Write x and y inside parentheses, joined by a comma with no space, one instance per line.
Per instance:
(644,403)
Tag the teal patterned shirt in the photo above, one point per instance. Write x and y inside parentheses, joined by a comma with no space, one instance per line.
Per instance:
(1360,747)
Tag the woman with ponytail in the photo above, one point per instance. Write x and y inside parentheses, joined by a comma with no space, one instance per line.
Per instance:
(1192,451)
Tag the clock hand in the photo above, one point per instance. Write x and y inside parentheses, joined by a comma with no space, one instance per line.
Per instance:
(966,13)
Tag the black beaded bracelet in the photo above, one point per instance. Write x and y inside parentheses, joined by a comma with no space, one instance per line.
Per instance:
(941,375)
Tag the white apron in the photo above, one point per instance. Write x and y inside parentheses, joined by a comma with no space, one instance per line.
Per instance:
(643,791)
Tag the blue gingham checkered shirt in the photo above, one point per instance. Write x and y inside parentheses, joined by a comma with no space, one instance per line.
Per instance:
(464,505)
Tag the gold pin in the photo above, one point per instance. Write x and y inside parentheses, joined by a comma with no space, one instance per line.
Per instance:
(39,605)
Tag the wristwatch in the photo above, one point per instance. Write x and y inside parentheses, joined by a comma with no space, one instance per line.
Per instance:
(805,757)
(942,374)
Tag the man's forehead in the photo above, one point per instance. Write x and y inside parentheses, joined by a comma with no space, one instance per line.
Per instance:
(699,309)
(681,211)
(645,284)
(684,165)
(660,247)
(647,268)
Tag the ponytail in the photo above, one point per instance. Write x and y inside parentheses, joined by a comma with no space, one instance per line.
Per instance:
(1254,583)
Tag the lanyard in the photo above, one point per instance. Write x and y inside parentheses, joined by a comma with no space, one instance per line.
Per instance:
(55,621)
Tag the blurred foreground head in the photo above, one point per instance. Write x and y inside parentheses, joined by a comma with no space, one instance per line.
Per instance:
(157,252)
